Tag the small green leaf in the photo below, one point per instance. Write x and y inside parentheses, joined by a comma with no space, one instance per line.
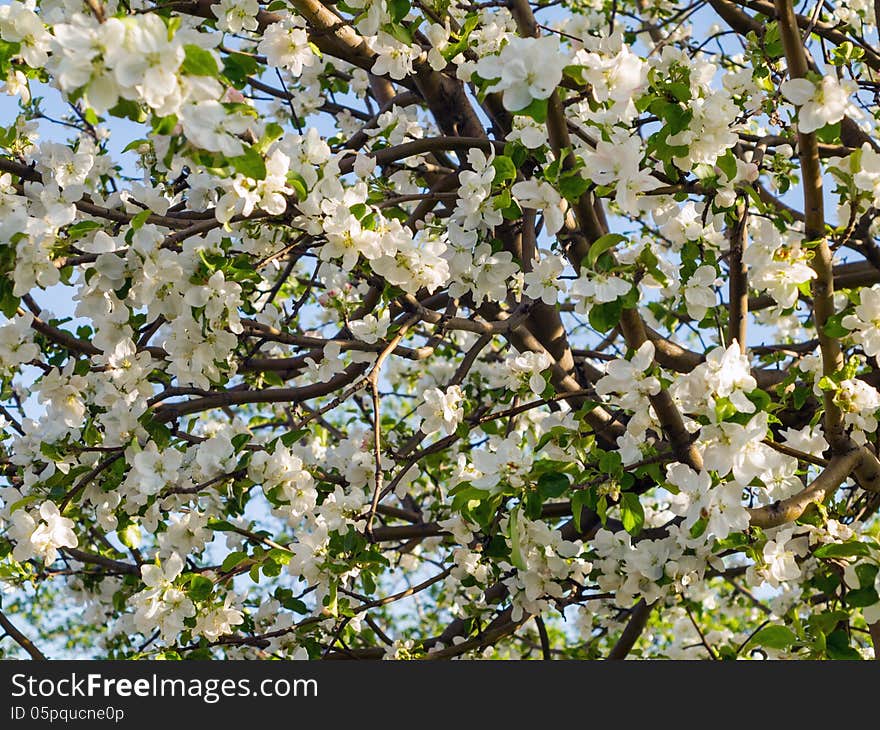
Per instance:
(842,550)
(504,169)
(602,509)
(399,32)
(774,637)
(198,61)
(552,485)
(862,597)
(272,132)
(239,440)
(573,186)
(200,587)
(867,573)
(164,125)
(399,9)
(537,110)
(221,526)
(515,550)
(9,303)
(579,500)
(727,164)
(837,647)
(81,228)
(834,327)
(631,512)
(251,164)
(601,245)
(139,220)
(233,559)
(291,437)
(604,316)
(237,67)
(829,134)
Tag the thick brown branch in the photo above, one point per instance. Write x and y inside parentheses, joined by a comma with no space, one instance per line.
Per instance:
(19,638)
(788,510)
(638,620)
(814,228)
(738,282)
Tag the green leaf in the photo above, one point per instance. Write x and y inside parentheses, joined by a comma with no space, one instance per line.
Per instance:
(221,526)
(867,572)
(843,550)
(837,647)
(128,109)
(827,621)
(251,164)
(834,327)
(552,485)
(291,437)
(604,316)
(286,598)
(573,186)
(680,90)
(239,440)
(273,131)
(200,587)
(579,500)
(199,62)
(164,125)
(234,558)
(9,303)
(271,569)
(24,501)
(7,51)
(139,220)
(504,170)
(846,52)
(610,463)
(281,555)
(576,74)
(399,9)
(515,550)
(774,637)
(829,134)
(533,505)
(298,183)
(602,509)
(676,117)
(773,41)
(453,49)
(134,144)
(631,512)
(399,32)
(862,597)
(159,432)
(81,228)
(237,67)
(727,164)
(601,245)
(537,110)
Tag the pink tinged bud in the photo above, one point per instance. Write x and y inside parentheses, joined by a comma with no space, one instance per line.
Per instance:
(233,96)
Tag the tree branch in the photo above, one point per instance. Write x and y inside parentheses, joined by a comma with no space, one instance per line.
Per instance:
(19,638)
